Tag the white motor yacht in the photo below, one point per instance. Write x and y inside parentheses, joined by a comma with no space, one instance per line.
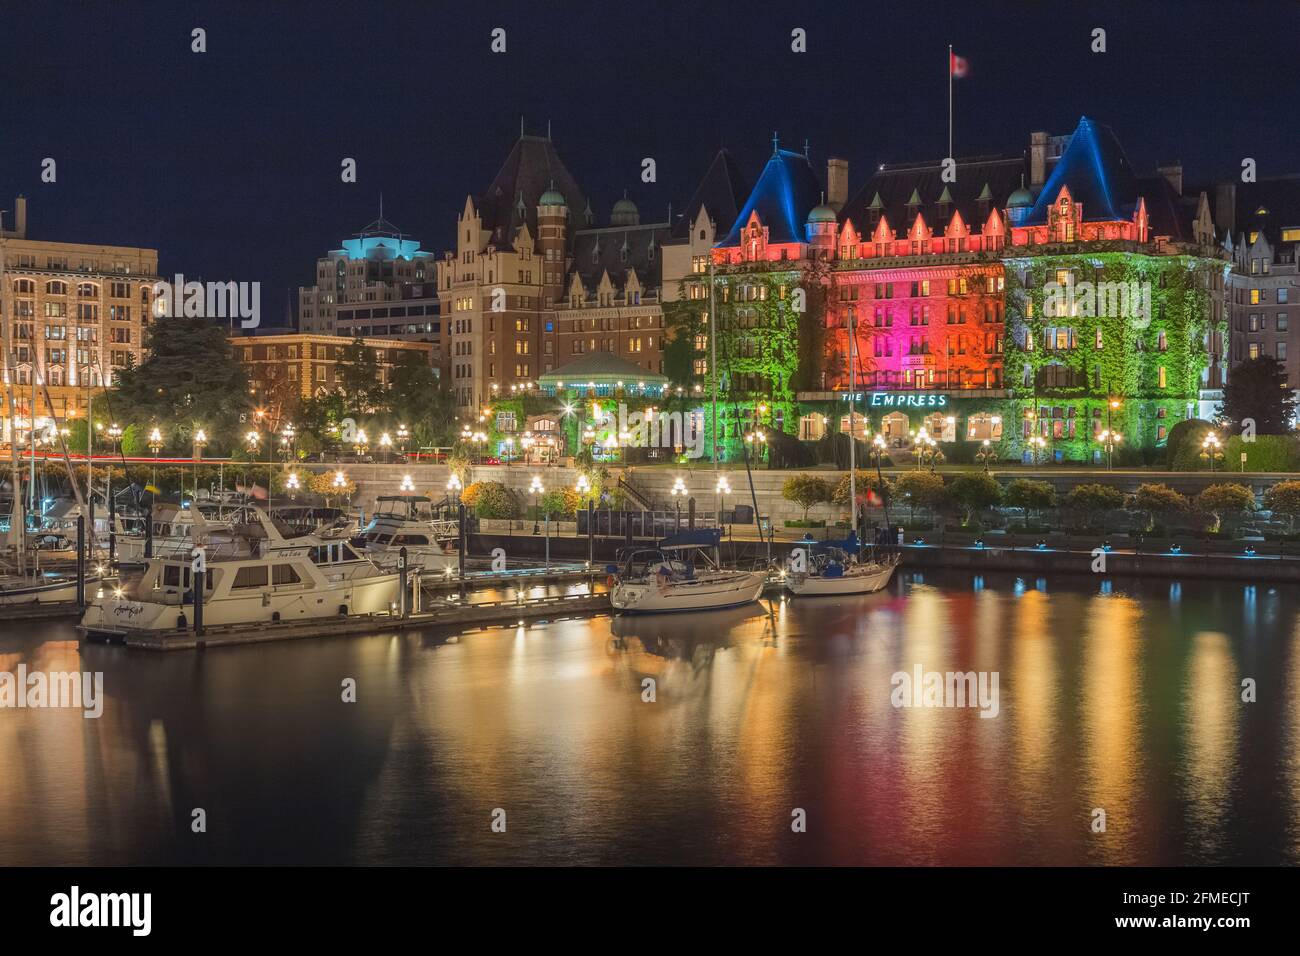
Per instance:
(408,521)
(258,576)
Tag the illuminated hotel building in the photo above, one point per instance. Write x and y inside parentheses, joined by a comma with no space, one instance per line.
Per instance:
(535,282)
(380,284)
(72,315)
(1055,294)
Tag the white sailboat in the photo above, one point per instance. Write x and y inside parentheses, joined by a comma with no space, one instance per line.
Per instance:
(833,568)
(666,579)
(260,578)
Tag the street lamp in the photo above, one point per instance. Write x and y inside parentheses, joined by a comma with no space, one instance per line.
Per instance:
(678,492)
(293,484)
(386,445)
(536,490)
(1110,439)
(403,436)
(721,490)
(200,440)
(1212,448)
(583,487)
(362,442)
(340,482)
(453,488)
(155,446)
(985,454)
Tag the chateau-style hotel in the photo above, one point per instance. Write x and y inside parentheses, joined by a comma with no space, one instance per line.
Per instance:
(1053,292)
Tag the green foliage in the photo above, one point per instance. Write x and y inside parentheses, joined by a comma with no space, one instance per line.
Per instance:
(865,482)
(189,380)
(1089,502)
(1225,500)
(1266,453)
(357,374)
(1256,393)
(921,489)
(460,459)
(1283,499)
(562,503)
(1182,434)
(806,491)
(1031,495)
(975,492)
(492,499)
(1159,501)
(323,485)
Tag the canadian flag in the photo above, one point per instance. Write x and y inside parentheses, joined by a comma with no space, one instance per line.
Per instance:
(957,65)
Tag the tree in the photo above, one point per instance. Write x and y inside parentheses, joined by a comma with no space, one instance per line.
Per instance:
(190,380)
(1256,391)
(866,483)
(1284,499)
(975,491)
(561,503)
(1158,500)
(324,484)
(923,489)
(494,500)
(1031,495)
(358,377)
(1090,501)
(806,491)
(1225,500)
(1190,432)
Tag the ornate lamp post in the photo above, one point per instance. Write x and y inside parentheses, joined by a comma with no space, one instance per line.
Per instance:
(362,442)
(293,484)
(678,492)
(155,446)
(287,434)
(1037,445)
(536,489)
(407,486)
(340,483)
(453,489)
(985,454)
(1110,439)
(200,440)
(403,437)
(1212,448)
(386,446)
(720,491)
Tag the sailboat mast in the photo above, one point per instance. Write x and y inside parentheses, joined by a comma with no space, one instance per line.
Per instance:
(853,440)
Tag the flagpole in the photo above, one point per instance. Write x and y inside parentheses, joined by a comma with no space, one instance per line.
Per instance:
(950,101)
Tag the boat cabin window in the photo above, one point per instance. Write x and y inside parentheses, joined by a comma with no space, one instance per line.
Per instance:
(250,576)
(401,539)
(285,574)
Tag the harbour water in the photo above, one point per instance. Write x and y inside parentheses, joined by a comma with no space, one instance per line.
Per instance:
(1113,695)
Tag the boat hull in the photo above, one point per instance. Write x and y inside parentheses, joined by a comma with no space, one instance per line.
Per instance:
(56,592)
(702,595)
(864,581)
(371,595)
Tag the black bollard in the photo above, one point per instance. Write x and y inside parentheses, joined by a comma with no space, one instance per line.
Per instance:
(81,560)
(460,543)
(401,572)
(591,532)
(690,514)
(196,582)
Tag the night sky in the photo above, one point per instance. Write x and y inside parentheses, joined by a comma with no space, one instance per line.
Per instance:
(228,162)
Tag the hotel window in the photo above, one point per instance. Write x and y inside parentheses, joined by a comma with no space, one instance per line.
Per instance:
(1162,342)
(1254,295)
(1282,296)
(1098,344)
(1283,323)
(1253,325)
(701,367)
(1281,351)
(1164,379)
(56,288)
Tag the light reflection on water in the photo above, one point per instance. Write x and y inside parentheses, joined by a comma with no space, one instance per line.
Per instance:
(1112,698)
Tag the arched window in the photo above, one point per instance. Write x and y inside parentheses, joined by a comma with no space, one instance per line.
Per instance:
(56,287)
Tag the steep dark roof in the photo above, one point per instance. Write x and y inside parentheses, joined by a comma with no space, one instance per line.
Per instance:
(1169,213)
(530,169)
(605,365)
(722,192)
(896,185)
(1280,196)
(1098,173)
(598,250)
(784,194)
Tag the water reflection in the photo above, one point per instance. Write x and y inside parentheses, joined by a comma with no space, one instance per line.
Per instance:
(1109,698)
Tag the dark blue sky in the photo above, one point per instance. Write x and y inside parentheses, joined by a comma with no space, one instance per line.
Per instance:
(228,162)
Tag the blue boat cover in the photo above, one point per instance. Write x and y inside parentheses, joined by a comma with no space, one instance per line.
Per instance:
(699,538)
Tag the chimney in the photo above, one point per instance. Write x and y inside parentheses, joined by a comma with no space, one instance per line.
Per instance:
(1174,173)
(1037,160)
(1225,207)
(837,183)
